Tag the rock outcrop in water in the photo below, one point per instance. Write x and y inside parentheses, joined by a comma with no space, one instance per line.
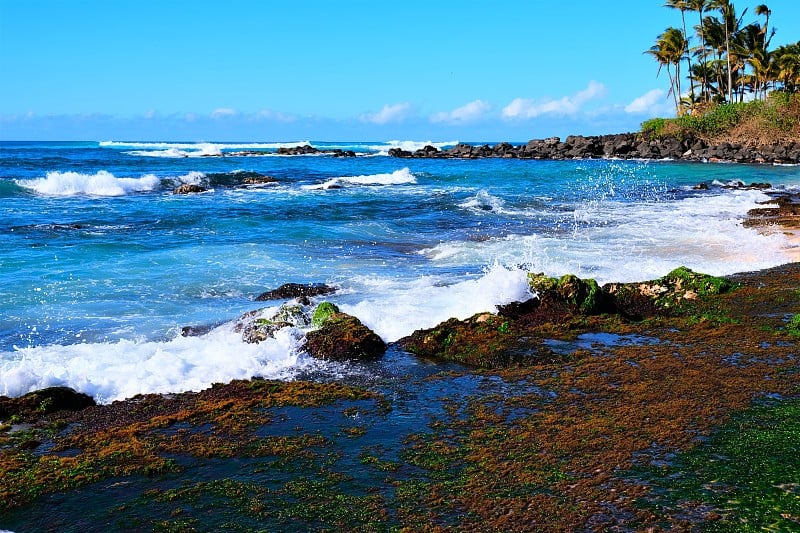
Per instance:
(189,188)
(296,290)
(343,337)
(490,340)
(334,336)
(42,402)
(621,146)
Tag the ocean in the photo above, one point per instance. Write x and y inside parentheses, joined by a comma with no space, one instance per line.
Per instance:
(101,265)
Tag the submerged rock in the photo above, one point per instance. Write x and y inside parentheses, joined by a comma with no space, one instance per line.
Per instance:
(255,327)
(343,337)
(189,188)
(256,179)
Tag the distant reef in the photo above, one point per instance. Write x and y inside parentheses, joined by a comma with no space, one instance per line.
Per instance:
(619,146)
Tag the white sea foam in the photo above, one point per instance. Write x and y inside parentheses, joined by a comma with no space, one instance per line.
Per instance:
(102,183)
(409,146)
(198,149)
(114,371)
(484,201)
(611,241)
(398,177)
(396,308)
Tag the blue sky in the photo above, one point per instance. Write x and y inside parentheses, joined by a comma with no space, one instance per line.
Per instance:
(262,70)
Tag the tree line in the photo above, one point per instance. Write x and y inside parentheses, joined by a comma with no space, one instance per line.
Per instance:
(727,60)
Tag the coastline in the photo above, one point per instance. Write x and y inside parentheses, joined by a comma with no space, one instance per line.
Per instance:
(619,146)
(550,433)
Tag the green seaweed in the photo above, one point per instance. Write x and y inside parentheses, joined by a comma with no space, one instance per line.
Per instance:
(322,313)
(746,477)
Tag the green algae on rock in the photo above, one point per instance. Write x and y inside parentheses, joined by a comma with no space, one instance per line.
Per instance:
(343,337)
(585,294)
(489,340)
(670,294)
(322,313)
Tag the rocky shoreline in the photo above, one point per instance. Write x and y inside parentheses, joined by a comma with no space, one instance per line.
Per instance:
(617,146)
(569,411)
(572,412)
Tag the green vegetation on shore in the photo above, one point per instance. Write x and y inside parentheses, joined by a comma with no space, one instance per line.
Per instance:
(774,119)
(740,89)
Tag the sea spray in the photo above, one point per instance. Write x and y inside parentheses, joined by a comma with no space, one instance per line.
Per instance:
(397,308)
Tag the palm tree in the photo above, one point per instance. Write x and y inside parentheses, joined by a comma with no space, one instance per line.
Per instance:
(715,44)
(700,6)
(787,59)
(726,9)
(683,7)
(668,51)
(762,9)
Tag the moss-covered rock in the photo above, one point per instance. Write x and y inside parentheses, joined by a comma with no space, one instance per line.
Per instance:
(36,404)
(584,294)
(484,340)
(668,295)
(322,313)
(343,337)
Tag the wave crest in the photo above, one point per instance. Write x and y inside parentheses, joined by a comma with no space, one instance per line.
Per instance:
(101,183)
(398,177)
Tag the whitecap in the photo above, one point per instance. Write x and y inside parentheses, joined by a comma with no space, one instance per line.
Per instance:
(101,183)
(398,177)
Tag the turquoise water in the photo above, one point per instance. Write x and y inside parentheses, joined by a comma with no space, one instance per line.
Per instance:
(101,264)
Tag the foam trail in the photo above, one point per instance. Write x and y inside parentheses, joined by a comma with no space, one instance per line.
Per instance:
(102,183)
(631,242)
(115,371)
(398,177)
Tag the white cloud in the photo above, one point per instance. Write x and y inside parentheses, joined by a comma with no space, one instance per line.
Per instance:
(389,113)
(268,114)
(223,112)
(651,101)
(465,113)
(567,105)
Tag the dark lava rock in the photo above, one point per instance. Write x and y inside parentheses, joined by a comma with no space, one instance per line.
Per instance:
(484,340)
(490,340)
(196,331)
(258,180)
(298,150)
(50,400)
(585,295)
(343,337)
(189,188)
(296,290)
(399,152)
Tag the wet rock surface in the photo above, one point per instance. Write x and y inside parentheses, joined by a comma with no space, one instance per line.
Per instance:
(296,290)
(343,337)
